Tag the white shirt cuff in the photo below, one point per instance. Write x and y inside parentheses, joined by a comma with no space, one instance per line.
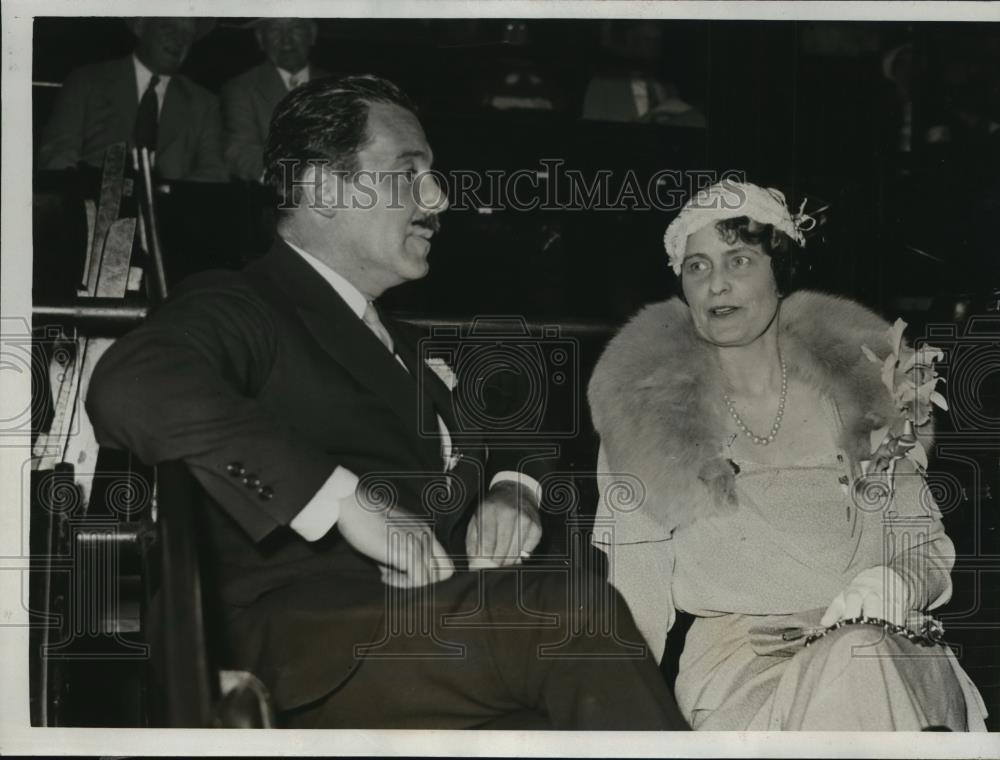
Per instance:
(323,510)
(519,477)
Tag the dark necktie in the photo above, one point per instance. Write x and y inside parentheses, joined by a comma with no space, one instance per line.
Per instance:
(146,117)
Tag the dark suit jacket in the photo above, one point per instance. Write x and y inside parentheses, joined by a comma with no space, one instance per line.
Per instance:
(263,382)
(248,100)
(97,106)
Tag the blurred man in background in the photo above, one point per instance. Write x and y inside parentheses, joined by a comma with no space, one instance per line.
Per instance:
(248,100)
(143,100)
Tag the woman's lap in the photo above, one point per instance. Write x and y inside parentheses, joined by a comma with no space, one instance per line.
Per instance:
(856,678)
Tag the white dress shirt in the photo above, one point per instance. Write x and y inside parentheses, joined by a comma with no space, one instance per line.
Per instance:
(321,513)
(142,77)
(301,76)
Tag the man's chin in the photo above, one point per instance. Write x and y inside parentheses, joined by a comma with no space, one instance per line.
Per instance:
(168,66)
(290,65)
(417,265)
(418,247)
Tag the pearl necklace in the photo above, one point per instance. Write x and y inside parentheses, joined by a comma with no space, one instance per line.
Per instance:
(763,440)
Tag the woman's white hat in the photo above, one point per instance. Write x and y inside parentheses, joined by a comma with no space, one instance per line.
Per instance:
(729,199)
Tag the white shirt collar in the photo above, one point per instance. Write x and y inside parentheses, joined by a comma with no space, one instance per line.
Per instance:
(302,75)
(142,77)
(353,297)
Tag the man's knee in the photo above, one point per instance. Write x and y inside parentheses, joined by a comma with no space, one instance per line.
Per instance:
(519,591)
(569,589)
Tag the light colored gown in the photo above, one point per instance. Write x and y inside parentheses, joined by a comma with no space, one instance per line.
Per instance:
(773,566)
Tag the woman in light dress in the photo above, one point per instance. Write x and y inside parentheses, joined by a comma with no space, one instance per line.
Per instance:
(764,441)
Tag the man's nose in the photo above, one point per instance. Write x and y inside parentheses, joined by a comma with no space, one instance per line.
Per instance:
(432,197)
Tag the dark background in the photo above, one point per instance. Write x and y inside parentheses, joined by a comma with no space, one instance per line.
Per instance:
(799,105)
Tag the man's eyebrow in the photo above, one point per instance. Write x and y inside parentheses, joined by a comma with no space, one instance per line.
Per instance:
(414,154)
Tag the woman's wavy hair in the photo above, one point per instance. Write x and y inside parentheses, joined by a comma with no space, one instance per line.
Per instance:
(780,248)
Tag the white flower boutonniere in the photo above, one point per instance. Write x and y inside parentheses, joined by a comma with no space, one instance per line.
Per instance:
(911,378)
(440,368)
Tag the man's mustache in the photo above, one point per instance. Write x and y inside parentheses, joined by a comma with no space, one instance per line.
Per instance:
(431,222)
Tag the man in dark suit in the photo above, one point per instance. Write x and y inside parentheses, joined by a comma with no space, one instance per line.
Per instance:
(345,500)
(143,100)
(248,100)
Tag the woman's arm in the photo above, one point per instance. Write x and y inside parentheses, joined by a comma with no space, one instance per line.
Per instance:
(640,571)
(917,546)
(916,574)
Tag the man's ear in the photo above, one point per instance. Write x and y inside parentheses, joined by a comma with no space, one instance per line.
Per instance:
(323,190)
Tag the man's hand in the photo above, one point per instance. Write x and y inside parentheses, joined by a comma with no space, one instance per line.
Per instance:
(409,553)
(505,529)
(878,592)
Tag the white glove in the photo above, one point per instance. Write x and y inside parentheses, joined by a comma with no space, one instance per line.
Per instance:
(878,592)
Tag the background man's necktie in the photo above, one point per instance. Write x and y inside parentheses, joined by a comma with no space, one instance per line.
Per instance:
(371,319)
(147,116)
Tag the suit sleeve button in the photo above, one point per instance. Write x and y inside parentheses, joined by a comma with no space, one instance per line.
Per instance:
(235,469)
(250,480)
(265,493)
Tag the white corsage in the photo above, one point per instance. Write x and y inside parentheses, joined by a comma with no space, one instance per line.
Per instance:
(911,378)
(440,367)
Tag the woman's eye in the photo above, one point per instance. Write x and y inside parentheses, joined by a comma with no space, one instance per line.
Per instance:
(696,267)
(742,261)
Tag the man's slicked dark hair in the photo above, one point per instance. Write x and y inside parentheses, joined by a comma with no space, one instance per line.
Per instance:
(323,121)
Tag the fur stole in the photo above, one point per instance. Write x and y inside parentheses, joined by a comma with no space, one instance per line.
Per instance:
(656,399)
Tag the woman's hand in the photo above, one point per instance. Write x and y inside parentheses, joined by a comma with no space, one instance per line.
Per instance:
(878,592)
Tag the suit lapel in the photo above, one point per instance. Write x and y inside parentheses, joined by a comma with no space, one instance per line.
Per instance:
(465,445)
(344,337)
(270,87)
(123,99)
(175,110)
(435,388)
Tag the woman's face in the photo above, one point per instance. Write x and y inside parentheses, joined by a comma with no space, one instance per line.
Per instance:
(729,288)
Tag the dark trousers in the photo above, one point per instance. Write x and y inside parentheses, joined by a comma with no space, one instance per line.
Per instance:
(511,648)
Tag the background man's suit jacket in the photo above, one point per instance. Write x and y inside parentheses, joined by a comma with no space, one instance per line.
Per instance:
(248,100)
(97,106)
(265,379)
